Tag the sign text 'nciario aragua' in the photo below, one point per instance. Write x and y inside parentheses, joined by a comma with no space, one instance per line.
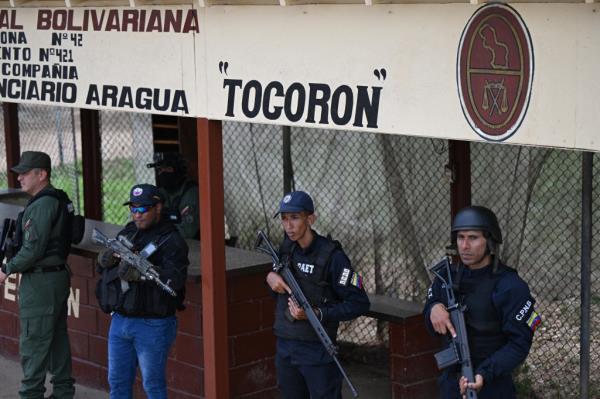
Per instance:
(71,56)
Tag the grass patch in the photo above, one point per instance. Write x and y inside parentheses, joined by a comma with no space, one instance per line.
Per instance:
(117,179)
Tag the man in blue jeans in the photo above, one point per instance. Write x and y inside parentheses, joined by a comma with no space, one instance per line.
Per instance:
(143,325)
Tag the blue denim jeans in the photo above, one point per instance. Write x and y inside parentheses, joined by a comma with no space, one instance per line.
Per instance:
(138,341)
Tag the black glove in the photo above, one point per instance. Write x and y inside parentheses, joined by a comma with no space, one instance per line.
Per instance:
(106,259)
(128,272)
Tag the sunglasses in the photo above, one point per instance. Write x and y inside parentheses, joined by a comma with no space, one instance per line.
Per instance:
(140,209)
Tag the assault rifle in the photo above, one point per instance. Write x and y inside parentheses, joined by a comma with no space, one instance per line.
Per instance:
(122,246)
(458,350)
(8,231)
(264,245)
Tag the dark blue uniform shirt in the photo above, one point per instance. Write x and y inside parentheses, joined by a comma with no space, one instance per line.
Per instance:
(514,306)
(351,302)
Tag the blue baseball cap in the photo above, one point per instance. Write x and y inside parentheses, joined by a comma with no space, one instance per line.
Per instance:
(144,194)
(296,201)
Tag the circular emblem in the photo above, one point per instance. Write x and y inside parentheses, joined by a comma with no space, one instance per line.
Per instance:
(495,71)
(287,199)
(137,191)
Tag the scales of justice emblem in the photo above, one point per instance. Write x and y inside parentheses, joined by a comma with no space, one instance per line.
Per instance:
(495,71)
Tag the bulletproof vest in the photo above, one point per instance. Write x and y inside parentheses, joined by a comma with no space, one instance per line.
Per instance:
(142,298)
(314,286)
(483,321)
(72,228)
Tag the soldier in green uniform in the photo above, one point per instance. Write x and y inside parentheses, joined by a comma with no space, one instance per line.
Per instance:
(41,246)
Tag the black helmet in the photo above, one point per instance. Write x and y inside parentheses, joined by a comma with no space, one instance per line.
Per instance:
(477,218)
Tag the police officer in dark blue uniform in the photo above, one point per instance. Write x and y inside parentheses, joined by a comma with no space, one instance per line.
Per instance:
(500,314)
(304,368)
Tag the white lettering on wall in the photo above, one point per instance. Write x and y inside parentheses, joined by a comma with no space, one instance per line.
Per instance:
(73,303)
(10,287)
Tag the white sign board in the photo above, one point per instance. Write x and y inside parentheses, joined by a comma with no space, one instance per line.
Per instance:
(132,59)
(522,74)
(393,69)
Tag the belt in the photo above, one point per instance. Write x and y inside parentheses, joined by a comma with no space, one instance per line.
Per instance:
(46,269)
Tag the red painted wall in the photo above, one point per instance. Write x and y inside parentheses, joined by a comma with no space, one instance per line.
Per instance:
(251,342)
(413,369)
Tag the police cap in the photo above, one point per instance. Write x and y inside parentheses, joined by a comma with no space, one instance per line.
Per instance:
(296,201)
(144,195)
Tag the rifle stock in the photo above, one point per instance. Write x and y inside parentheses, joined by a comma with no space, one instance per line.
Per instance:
(302,301)
(458,350)
(122,246)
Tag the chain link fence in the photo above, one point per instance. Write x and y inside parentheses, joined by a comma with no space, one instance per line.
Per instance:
(56,131)
(536,194)
(386,199)
(126,145)
(383,197)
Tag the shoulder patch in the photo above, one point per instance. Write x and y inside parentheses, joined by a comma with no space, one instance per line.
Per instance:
(528,315)
(524,311)
(345,277)
(357,280)
(534,321)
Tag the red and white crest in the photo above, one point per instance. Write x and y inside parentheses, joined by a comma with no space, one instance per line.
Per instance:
(495,71)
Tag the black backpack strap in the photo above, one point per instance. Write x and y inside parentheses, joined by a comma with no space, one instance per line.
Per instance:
(50,192)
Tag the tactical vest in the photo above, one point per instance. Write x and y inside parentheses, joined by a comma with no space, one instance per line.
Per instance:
(142,299)
(71,230)
(314,286)
(482,319)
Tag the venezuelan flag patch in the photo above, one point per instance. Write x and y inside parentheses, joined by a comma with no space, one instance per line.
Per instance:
(357,280)
(534,320)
